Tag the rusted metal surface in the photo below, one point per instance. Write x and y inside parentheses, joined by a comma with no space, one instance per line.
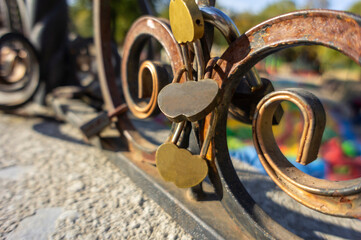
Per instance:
(322,195)
(229,30)
(141,148)
(137,36)
(333,29)
(102,39)
(314,123)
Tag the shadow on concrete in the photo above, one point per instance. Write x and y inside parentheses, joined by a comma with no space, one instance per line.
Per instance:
(51,128)
(292,215)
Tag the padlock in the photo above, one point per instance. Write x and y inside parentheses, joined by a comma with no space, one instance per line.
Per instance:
(97,124)
(186,20)
(246,98)
(178,165)
(192,100)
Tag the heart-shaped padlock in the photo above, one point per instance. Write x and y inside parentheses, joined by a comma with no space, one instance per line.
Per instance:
(186,20)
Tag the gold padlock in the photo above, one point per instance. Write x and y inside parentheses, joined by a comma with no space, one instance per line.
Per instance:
(186,20)
(178,165)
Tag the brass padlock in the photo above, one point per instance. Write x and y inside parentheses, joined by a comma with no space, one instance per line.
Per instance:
(188,101)
(186,20)
(192,100)
(246,98)
(96,125)
(179,165)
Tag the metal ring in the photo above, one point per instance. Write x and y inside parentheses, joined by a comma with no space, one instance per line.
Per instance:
(20,82)
(152,77)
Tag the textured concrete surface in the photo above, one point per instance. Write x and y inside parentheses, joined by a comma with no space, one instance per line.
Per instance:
(54,186)
(38,226)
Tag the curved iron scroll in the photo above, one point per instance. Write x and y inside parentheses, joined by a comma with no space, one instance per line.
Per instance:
(333,29)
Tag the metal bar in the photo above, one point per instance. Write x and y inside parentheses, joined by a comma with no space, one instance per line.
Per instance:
(200,59)
(187,63)
(102,41)
(209,135)
(178,132)
(333,29)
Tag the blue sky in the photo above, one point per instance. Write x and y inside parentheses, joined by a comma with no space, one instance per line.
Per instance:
(257,5)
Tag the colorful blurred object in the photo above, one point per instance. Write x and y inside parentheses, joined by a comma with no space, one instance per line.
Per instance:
(339,156)
(340,166)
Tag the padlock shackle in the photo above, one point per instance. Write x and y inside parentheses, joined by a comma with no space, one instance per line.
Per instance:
(230,32)
(210,134)
(198,51)
(187,63)
(221,21)
(178,131)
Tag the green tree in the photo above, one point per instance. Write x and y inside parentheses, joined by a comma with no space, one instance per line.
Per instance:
(278,8)
(331,59)
(356,8)
(124,13)
(246,20)
(80,13)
